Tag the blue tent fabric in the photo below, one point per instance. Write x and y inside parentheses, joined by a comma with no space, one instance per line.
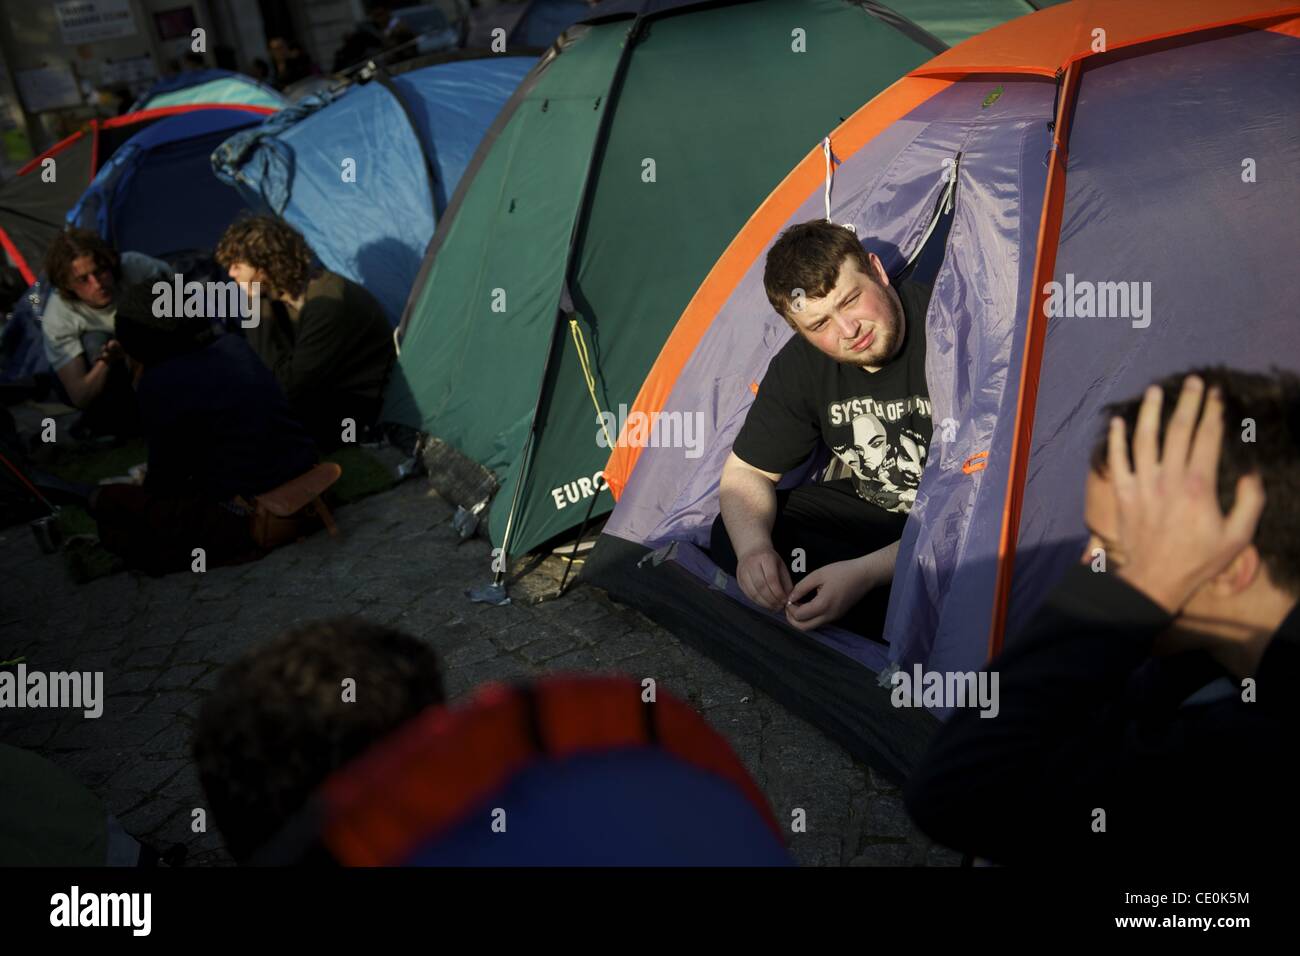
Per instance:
(157,194)
(22,339)
(226,87)
(370,220)
(577,812)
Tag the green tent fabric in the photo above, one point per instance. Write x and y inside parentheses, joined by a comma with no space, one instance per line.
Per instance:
(655,136)
(50,819)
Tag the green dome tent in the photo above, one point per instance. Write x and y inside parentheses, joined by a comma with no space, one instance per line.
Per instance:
(614,177)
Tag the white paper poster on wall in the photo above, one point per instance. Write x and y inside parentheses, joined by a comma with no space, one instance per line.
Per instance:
(85,21)
(48,88)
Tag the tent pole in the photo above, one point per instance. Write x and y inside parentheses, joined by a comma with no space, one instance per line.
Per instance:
(582,529)
(1049,235)
(620,70)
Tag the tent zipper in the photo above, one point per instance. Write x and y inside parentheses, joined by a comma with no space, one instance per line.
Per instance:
(941,209)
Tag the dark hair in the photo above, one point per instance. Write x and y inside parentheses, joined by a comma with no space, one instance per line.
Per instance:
(808,257)
(272,246)
(152,339)
(1272,403)
(69,246)
(277,724)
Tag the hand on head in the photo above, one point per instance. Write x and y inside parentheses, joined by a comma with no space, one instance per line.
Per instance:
(1170,525)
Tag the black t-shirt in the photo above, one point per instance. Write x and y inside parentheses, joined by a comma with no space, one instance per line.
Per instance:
(877,423)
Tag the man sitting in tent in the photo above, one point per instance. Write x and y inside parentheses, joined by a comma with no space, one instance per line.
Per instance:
(325,337)
(852,378)
(1147,710)
(79,326)
(218,429)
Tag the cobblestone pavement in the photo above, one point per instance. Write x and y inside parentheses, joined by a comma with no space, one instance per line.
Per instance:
(162,642)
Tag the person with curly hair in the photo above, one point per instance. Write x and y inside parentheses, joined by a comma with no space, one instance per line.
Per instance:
(324,337)
(79,326)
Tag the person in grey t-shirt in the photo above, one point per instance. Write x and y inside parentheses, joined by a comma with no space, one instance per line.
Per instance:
(78,323)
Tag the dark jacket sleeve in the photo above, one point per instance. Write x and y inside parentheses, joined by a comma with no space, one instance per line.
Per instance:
(1005,786)
(1026,785)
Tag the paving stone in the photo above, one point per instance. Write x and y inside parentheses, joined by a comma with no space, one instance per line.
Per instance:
(548,648)
(884,854)
(886,816)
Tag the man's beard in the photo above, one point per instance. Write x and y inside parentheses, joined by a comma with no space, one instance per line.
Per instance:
(882,350)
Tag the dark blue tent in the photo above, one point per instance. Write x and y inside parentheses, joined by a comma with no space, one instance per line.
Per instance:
(158,194)
(365,173)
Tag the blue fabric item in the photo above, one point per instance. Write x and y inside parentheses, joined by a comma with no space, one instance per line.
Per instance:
(224,81)
(158,195)
(370,220)
(217,424)
(22,339)
(638,807)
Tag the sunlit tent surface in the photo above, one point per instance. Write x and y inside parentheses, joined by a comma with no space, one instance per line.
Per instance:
(365,173)
(614,178)
(1144,192)
(209,86)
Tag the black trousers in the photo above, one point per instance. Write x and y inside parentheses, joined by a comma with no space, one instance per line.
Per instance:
(830,523)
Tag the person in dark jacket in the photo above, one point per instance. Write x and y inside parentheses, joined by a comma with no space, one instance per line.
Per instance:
(218,430)
(324,337)
(1147,710)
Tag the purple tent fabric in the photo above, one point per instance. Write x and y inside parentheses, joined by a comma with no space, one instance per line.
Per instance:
(1154,193)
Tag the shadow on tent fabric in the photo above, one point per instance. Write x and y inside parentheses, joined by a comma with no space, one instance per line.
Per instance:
(387,269)
(832,677)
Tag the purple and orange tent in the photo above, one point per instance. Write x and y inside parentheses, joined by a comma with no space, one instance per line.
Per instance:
(1123,180)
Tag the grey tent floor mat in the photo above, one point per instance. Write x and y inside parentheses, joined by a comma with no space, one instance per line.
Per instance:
(838,694)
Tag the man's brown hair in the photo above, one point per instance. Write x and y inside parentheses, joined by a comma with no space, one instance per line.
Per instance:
(1261,434)
(271,246)
(808,257)
(69,246)
(278,723)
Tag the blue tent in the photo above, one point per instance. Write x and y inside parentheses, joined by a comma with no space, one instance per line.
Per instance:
(158,194)
(365,173)
(208,86)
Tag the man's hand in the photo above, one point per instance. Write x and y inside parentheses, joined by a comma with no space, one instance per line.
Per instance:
(764,578)
(839,586)
(111,352)
(1171,528)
